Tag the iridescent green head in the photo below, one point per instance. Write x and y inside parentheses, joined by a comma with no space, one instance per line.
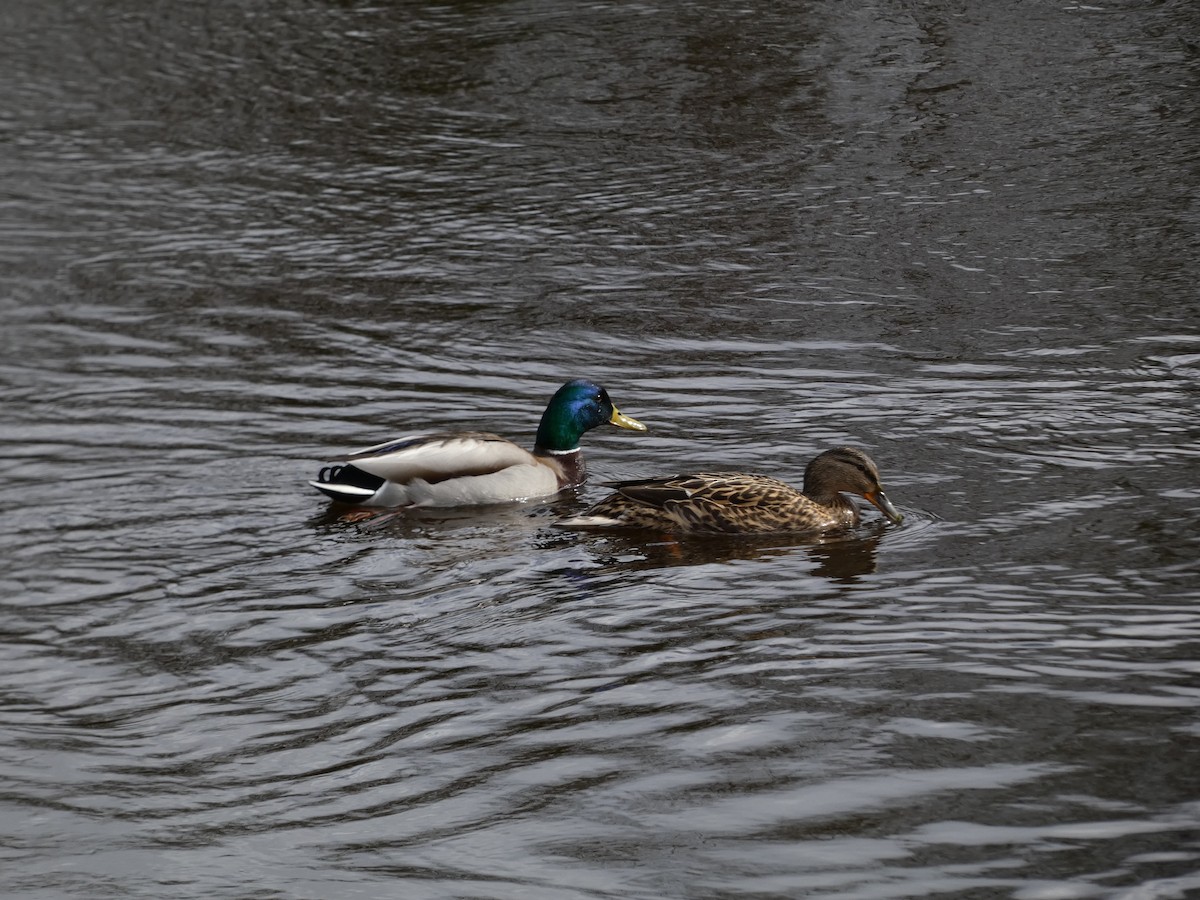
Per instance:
(576,407)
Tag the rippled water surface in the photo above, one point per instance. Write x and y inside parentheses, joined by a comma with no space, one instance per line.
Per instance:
(239,238)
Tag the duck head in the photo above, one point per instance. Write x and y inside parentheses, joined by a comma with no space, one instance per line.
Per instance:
(851,471)
(576,407)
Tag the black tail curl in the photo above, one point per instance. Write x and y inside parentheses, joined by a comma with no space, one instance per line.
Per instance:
(346,475)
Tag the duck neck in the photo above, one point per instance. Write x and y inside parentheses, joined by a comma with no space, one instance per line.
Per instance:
(568,464)
(558,432)
(842,506)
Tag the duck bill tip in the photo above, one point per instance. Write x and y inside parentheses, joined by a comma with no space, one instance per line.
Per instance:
(879,500)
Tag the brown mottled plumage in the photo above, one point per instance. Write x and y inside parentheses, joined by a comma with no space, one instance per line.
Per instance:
(736,503)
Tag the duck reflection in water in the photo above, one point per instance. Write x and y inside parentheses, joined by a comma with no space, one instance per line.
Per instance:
(841,557)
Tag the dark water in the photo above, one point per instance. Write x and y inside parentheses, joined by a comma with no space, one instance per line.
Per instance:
(236,238)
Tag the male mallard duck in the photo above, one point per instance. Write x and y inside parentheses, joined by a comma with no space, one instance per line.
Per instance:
(734,503)
(471,467)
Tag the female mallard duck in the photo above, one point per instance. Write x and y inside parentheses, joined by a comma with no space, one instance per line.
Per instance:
(734,503)
(471,467)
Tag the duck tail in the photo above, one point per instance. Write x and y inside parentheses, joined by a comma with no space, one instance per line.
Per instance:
(347,483)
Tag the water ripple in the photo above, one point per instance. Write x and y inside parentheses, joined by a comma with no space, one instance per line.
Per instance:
(239,239)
